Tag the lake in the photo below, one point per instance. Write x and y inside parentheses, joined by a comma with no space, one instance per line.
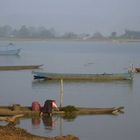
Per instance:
(18,87)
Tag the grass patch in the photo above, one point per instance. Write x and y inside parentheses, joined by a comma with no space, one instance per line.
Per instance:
(69,109)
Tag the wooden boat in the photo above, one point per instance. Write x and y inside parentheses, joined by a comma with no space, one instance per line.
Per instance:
(19,67)
(27,111)
(68,76)
(137,69)
(87,111)
(10,52)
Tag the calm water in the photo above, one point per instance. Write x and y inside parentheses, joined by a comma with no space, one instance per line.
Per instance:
(76,57)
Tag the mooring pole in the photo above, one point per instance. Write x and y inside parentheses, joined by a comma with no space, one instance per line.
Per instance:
(61,92)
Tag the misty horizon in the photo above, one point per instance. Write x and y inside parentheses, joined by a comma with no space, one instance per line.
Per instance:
(79,16)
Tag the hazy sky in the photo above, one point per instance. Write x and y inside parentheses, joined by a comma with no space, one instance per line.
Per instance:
(78,16)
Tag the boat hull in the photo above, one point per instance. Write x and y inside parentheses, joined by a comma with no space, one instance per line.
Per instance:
(96,77)
(27,111)
(19,67)
(10,52)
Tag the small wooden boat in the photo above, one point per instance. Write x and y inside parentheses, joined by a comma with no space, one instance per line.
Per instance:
(27,111)
(113,110)
(19,67)
(95,77)
(10,52)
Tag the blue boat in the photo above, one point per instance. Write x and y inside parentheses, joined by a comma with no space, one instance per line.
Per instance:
(73,76)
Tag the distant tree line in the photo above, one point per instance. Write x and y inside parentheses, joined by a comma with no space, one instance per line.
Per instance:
(7,31)
(26,32)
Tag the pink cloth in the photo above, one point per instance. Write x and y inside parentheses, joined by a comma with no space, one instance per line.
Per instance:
(54,105)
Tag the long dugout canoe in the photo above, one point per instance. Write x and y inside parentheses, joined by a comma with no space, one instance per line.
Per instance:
(27,111)
(96,77)
(19,67)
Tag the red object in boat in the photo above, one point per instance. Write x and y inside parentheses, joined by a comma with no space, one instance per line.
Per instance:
(36,106)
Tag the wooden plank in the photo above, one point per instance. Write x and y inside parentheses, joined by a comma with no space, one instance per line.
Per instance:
(19,67)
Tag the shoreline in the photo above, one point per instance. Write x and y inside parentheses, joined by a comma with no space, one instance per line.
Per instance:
(69,40)
(10,132)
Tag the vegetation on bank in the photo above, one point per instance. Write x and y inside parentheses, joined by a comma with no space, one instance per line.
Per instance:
(69,109)
(24,32)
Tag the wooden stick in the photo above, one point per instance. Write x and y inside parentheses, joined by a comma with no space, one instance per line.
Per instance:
(61,93)
(11,119)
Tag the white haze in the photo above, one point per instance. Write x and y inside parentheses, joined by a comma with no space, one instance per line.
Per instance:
(78,16)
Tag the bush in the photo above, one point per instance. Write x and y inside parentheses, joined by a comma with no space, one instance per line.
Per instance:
(69,109)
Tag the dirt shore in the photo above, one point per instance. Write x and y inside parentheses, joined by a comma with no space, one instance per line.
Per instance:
(11,132)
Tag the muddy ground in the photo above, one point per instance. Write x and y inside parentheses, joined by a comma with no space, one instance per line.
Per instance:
(10,132)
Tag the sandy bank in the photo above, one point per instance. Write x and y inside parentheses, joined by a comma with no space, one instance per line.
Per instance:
(11,132)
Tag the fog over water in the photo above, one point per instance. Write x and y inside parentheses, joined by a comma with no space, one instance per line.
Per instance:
(78,16)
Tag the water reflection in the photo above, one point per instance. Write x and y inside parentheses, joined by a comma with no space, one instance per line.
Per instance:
(48,83)
(49,122)
(36,122)
(43,82)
